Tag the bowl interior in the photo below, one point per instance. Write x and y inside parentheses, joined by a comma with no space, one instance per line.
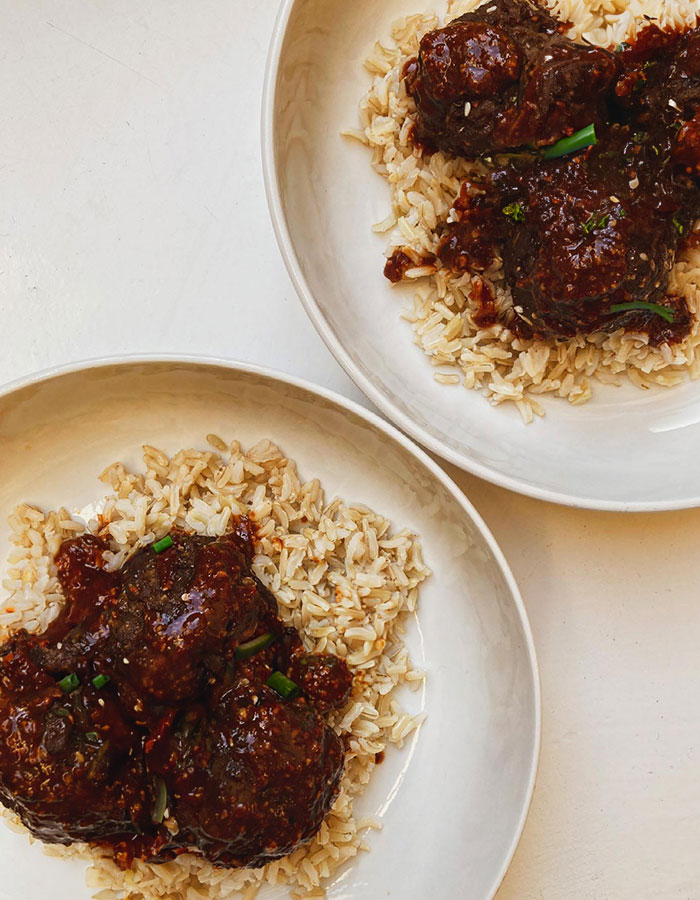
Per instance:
(625,449)
(456,798)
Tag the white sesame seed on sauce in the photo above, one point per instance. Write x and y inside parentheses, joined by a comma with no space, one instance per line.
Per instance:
(614,199)
(59,646)
(672,103)
(125,661)
(100,701)
(467,108)
(644,256)
(634,183)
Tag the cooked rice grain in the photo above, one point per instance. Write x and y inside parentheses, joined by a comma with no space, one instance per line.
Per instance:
(341,576)
(506,368)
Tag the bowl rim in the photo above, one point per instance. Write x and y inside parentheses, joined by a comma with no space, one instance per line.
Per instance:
(391,433)
(403,421)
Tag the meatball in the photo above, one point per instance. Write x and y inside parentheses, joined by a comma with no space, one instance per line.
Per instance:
(253,778)
(579,235)
(67,765)
(178,607)
(505,76)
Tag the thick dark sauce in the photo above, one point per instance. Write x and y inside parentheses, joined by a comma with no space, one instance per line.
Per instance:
(138,697)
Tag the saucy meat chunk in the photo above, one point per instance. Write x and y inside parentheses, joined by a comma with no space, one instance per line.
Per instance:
(504,76)
(167,687)
(253,777)
(581,235)
(67,765)
(177,607)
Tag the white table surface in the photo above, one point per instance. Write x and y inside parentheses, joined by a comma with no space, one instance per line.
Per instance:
(133,219)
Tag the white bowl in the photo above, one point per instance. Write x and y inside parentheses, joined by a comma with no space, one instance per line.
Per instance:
(625,450)
(454,802)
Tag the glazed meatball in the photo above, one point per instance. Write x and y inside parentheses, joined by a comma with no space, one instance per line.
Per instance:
(67,765)
(253,777)
(505,76)
(178,607)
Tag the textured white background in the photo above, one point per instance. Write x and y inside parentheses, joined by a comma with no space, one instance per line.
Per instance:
(133,219)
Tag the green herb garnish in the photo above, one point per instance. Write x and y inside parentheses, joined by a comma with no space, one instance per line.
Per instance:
(284,686)
(586,137)
(250,648)
(622,46)
(640,136)
(678,226)
(163,544)
(595,222)
(662,311)
(161,803)
(61,712)
(100,681)
(676,126)
(92,735)
(69,683)
(514,211)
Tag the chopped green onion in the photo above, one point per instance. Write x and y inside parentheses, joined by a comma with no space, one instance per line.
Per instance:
(595,222)
(161,803)
(677,225)
(640,136)
(514,211)
(92,735)
(662,311)
(100,681)
(284,686)
(586,137)
(163,544)
(622,46)
(61,712)
(69,683)
(676,126)
(250,648)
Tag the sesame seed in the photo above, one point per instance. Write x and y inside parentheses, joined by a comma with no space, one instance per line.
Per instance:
(614,199)
(467,108)
(634,183)
(672,103)
(125,661)
(644,256)
(100,701)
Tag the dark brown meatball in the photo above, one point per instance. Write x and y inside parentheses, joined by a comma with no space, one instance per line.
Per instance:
(505,76)
(253,778)
(67,765)
(579,235)
(179,606)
